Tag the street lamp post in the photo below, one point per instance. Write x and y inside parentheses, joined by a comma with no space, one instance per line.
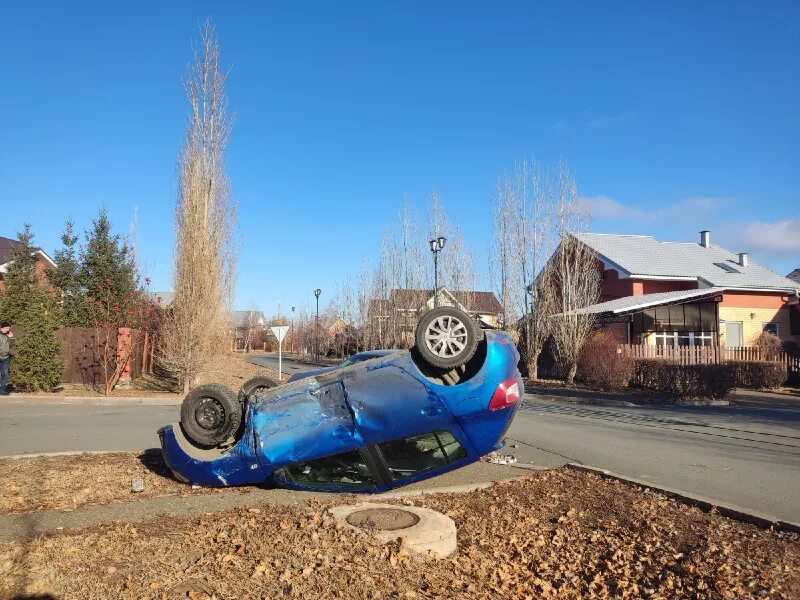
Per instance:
(317,292)
(437,245)
(293,330)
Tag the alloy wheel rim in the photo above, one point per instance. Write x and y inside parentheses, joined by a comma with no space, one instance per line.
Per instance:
(446,336)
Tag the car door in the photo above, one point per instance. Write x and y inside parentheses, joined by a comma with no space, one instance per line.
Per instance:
(302,421)
(388,403)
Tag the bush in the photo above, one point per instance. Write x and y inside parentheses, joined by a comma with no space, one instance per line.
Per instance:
(704,382)
(758,374)
(769,344)
(601,365)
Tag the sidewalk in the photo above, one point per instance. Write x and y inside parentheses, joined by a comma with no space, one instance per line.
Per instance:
(738,397)
(39,399)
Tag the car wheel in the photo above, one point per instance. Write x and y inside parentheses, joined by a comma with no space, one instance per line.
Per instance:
(446,337)
(256,386)
(210,415)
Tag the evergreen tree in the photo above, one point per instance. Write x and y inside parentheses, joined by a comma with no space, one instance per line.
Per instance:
(66,278)
(20,279)
(37,365)
(108,271)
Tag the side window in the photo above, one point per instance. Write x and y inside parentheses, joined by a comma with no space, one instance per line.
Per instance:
(452,448)
(409,456)
(338,471)
(771,328)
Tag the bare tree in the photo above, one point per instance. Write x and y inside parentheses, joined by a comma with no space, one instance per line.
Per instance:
(252,327)
(533,200)
(575,278)
(456,262)
(502,260)
(197,327)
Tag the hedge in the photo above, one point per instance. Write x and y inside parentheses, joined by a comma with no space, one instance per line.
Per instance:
(705,382)
(758,374)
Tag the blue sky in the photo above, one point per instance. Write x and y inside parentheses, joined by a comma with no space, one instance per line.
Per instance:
(674,117)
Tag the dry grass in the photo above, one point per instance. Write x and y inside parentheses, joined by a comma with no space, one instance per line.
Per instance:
(69,482)
(233,370)
(557,534)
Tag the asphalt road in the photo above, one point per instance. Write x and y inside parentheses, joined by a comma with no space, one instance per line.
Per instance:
(747,456)
(288,367)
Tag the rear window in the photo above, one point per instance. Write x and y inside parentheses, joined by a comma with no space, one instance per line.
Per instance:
(414,455)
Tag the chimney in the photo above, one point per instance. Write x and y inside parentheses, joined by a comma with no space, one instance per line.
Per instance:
(705,239)
(743,259)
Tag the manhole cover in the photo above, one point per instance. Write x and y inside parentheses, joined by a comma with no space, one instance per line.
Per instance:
(385,519)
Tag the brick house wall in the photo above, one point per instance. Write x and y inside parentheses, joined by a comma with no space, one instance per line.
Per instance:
(612,287)
(41,267)
(753,310)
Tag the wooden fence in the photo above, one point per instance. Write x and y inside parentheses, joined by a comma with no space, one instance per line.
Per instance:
(699,355)
(82,350)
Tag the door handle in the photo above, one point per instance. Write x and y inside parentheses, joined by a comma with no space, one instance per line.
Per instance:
(432,411)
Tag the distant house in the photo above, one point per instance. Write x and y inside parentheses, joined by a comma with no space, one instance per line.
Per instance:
(249,329)
(405,306)
(43,261)
(162,300)
(794,275)
(333,325)
(688,294)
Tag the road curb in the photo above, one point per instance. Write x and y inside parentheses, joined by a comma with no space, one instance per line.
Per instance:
(738,513)
(63,453)
(92,400)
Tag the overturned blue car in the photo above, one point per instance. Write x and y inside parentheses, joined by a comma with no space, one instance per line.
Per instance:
(370,426)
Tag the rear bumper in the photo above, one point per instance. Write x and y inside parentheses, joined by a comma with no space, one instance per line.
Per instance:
(210,468)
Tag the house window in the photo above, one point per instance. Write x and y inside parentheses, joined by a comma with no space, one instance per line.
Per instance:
(665,338)
(684,338)
(771,328)
(702,338)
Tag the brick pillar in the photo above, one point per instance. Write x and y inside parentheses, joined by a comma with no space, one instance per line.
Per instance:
(124,341)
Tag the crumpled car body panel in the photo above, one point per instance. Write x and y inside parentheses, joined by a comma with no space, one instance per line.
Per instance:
(350,408)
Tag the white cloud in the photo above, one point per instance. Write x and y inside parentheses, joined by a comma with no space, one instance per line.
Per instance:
(777,237)
(605,207)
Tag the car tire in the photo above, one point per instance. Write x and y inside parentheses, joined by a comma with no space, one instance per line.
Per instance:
(446,337)
(210,415)
(255,386)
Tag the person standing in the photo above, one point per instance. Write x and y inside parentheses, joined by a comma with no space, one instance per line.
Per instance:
(6,341)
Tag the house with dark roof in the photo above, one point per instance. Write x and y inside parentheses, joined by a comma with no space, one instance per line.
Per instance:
(43,261)
(687,293)
(408,304)
(794,275)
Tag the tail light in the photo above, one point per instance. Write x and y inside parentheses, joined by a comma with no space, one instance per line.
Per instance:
(506,394)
